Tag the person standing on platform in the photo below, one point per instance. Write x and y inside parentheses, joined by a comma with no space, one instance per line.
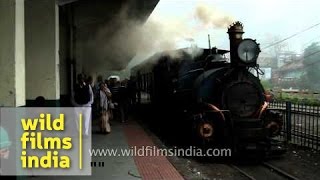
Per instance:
(105,95)
(96,92)
(83,97)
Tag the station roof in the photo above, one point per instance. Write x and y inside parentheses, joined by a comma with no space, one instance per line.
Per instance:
(91,17)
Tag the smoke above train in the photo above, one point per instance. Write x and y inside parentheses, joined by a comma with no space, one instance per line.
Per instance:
(145,38)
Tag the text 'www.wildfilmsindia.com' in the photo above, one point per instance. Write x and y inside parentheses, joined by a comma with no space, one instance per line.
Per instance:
(155,151)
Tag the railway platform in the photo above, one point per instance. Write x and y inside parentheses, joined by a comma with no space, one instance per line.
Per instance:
(117,164)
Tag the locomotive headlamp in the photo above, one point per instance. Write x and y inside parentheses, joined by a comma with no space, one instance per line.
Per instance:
(248,51)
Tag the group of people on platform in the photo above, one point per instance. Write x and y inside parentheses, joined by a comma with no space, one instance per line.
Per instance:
(107,100)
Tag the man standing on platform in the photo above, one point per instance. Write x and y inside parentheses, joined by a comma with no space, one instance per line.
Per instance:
(83,97)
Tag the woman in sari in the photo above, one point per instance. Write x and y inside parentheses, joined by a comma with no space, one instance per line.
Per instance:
(105,96)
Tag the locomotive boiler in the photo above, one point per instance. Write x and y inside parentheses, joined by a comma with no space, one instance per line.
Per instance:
(217,101)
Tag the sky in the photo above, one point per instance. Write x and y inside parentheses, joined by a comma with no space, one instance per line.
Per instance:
(280,18)
(263,20)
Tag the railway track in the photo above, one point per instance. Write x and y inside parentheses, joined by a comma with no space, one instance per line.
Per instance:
(279,171)
(263,171)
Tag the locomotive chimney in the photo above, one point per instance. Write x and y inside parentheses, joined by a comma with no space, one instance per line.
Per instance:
(235,32)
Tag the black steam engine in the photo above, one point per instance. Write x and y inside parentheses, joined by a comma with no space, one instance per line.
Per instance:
(219,101)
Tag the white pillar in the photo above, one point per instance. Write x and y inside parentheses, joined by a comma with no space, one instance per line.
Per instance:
(42,49)
(12,53)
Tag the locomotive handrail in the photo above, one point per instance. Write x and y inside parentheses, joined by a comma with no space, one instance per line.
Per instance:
(216,109)
(219,111)
(225,110)
(191,71)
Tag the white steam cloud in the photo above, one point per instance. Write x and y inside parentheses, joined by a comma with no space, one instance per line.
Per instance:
(212,17)
(117,42)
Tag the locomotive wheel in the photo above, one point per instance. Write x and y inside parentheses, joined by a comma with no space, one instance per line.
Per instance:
(208,126)
(207,133)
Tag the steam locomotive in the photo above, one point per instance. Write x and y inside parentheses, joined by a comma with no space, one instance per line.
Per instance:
(218,101)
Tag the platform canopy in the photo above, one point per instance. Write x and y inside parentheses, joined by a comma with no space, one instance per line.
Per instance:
(101,26)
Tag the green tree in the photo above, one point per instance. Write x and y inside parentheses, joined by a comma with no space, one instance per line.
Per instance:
(312,66)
